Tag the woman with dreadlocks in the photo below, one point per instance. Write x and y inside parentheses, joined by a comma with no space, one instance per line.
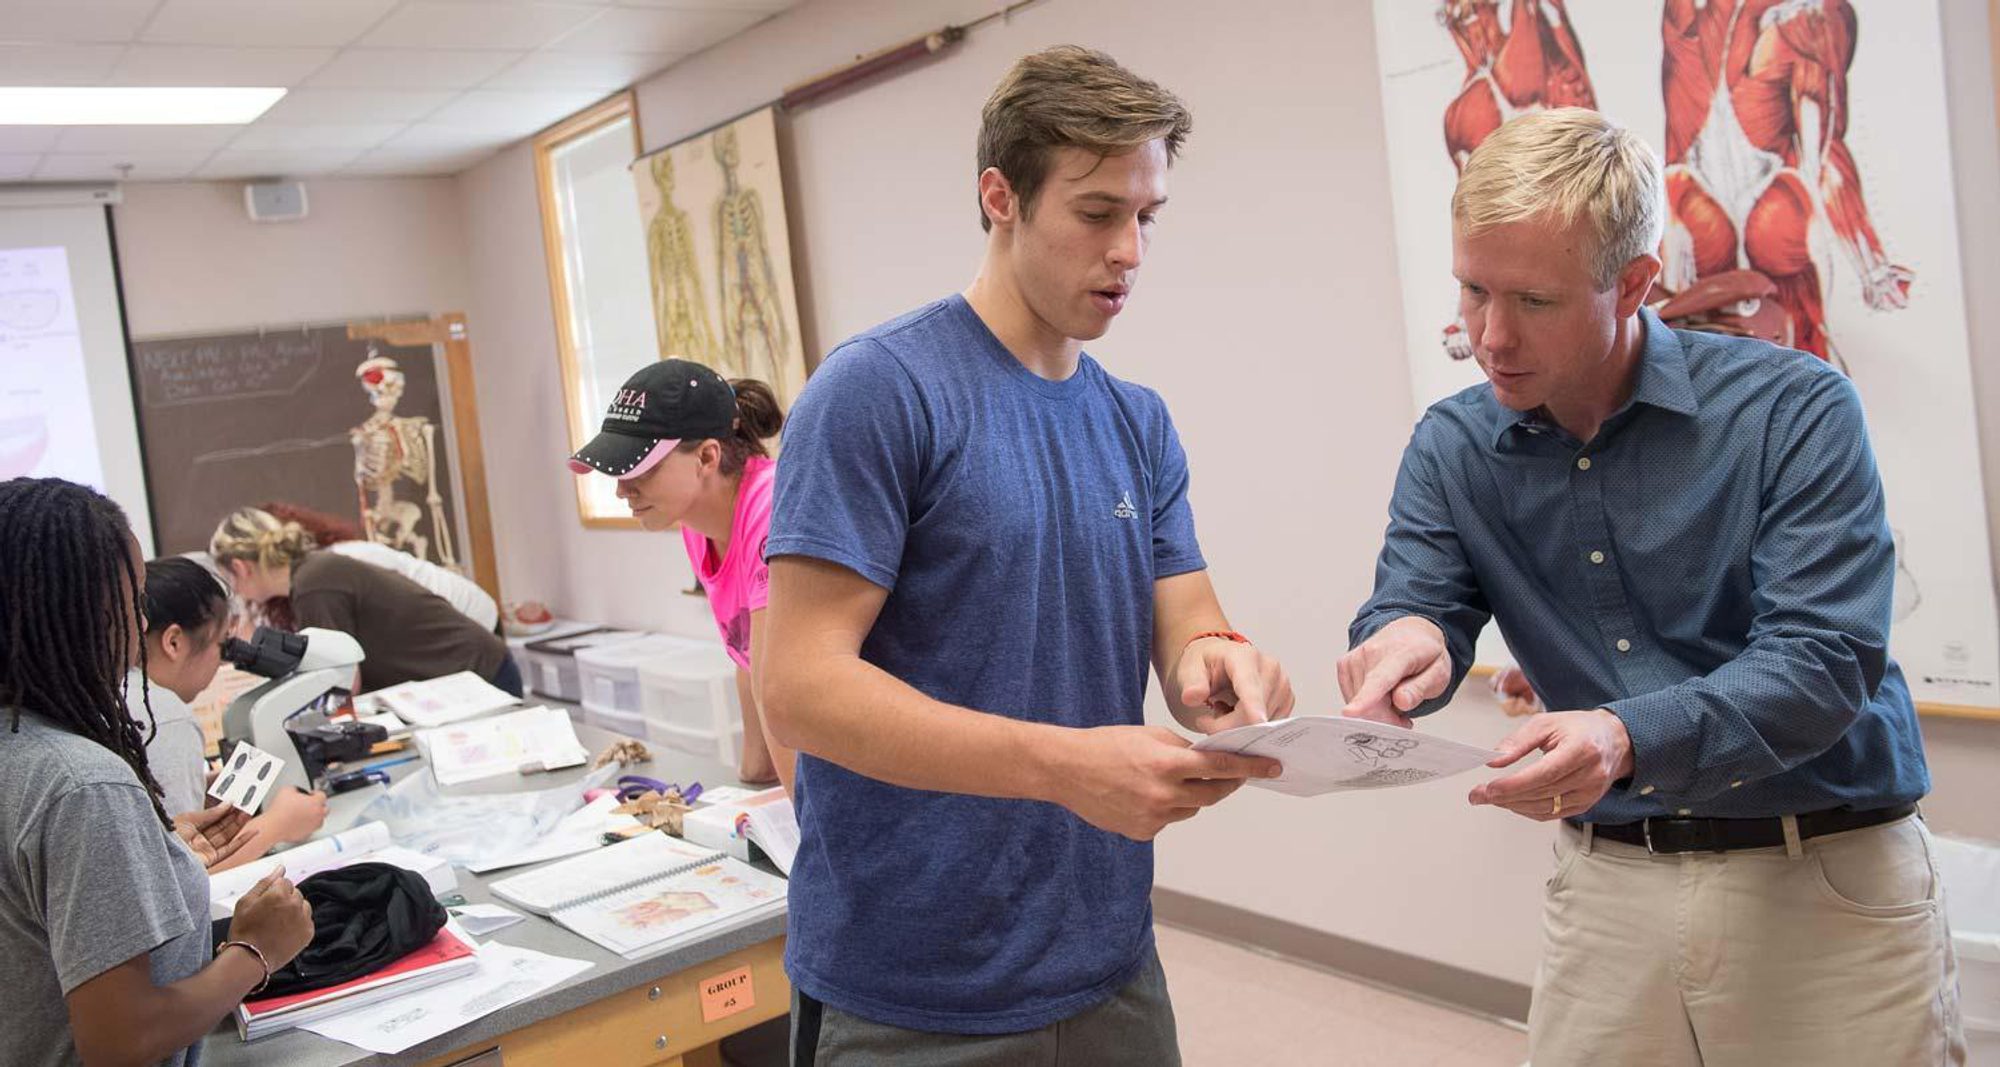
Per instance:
(104,934)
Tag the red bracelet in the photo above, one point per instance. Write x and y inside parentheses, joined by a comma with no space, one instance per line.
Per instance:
(1227,635)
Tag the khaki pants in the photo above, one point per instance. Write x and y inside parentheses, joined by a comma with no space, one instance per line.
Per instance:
(1831,952)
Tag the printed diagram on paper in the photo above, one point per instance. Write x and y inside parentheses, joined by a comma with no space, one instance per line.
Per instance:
(1323,754)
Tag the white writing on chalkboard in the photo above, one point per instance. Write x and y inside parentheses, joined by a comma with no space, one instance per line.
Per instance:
(202,369)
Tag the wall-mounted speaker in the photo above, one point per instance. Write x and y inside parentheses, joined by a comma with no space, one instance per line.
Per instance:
(275,201)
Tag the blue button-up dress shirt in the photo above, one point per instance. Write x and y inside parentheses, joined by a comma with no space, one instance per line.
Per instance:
(1715,567)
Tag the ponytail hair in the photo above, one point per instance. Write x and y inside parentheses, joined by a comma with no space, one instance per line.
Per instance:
(181,592)
(256,536)
(758,419)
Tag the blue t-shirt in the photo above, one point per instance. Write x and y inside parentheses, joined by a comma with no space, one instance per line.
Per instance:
(1019,525)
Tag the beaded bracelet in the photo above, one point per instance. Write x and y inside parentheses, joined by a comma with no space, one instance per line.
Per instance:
(254,951)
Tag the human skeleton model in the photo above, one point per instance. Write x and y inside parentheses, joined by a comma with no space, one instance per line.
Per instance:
(679,311)
(389,447)
(1756,101)
(1531,62)
(754,335)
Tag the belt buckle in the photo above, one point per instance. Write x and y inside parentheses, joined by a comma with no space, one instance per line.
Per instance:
(1646,830)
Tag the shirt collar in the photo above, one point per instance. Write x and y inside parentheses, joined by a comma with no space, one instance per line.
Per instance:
(1663,380)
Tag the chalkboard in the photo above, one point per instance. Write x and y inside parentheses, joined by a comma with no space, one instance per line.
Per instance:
(236,419)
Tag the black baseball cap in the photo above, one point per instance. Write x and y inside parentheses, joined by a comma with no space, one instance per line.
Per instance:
(664,404)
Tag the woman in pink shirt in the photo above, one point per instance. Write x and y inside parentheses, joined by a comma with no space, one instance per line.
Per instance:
(687,448)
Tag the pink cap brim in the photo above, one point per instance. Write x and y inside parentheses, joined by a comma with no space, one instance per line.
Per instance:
(647,462)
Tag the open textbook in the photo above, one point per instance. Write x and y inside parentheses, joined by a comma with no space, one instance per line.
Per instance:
(731,825)
(649,893)
(441,701)
(1326,754)
(537,738)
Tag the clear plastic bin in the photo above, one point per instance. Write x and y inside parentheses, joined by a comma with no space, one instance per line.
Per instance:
(1971,872)
(625,724)
(725,748)
(610,673)
(692,690)
(550,668)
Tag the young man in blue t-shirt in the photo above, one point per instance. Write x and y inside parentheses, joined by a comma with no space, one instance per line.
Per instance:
(980,542)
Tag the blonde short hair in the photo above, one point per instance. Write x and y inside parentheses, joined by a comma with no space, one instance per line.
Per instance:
(257,536)
(1564,164)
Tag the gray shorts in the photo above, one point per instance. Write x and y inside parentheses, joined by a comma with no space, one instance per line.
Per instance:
(1135,1028)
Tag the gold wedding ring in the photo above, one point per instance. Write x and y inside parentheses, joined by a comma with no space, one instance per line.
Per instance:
(1557,809)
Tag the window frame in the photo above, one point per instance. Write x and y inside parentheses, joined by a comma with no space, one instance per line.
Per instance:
(582,427)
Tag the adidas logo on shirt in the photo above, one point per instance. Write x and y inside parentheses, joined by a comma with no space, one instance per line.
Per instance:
(1125,510)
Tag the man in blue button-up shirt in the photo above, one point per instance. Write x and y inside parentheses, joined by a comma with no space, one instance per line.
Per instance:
(1682,538)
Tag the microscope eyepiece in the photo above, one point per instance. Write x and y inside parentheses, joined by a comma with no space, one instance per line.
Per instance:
(269,653)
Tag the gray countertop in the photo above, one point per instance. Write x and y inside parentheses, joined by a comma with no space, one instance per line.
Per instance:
(609,973)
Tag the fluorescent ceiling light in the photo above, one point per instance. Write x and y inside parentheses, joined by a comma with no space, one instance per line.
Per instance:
(49,105)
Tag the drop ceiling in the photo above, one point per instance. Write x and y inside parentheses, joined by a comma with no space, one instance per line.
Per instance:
(376,87)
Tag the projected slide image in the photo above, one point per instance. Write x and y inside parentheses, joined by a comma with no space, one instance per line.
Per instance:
(46,428)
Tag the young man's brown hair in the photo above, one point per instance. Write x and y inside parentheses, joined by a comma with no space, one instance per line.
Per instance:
(1071,97)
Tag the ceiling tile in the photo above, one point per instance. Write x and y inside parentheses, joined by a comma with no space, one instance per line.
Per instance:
(315,136)
(424,137)
(109,166)
(276,164)
(69,64)
(29,139)
(410,68)
(145,138)
(281,23)
(761,7)
(74,21)
(432,24)
(357,105)
(175,64)
(602,71)
(623,29)
(512,114)
(17,166)
(384,162)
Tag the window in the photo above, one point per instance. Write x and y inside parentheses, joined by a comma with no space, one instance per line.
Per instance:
(596,251)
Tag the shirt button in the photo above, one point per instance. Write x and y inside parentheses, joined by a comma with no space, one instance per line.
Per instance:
(1646,792)
(1624,645)
(1583,464)
(1686,811)
(1737,784)
(1597,557)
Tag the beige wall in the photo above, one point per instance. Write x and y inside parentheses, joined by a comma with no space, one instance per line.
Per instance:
(1268,316)
(193,261)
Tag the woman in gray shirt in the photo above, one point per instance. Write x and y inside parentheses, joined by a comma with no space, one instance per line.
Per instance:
(104,940)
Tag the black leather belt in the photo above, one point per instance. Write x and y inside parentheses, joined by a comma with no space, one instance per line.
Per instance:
(1670,835)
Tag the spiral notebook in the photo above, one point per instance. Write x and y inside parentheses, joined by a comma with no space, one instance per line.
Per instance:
(649,893)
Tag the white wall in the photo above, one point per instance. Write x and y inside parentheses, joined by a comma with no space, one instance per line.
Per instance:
(1268,315)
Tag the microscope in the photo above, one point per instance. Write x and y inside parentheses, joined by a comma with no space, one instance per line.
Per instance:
(292,715)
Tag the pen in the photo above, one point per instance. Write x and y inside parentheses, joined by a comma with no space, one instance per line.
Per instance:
(387,763)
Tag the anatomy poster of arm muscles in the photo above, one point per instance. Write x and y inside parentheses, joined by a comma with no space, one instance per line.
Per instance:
(1787,128)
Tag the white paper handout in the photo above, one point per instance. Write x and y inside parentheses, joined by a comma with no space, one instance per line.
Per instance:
(581,830)
(439,701)
(368,842)
(473,830)
(1326,754)
(538,738)
(482,919)
(505,975)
